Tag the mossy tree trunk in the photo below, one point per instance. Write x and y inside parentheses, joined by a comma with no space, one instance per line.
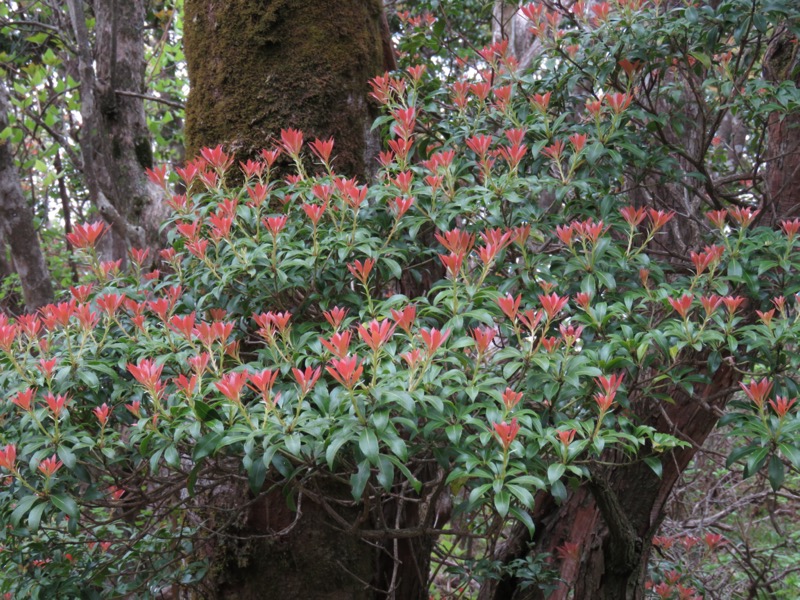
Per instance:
(256,67)
(293,553)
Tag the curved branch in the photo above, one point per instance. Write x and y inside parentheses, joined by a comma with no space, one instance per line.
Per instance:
(164,101)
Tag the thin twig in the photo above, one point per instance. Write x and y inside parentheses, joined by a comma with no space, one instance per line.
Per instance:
(171,103)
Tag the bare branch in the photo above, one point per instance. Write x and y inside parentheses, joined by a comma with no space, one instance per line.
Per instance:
(171,103)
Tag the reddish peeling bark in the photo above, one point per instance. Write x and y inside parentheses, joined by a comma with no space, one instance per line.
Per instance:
(783,135)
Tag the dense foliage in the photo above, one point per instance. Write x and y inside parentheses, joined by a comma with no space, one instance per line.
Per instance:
(484,322)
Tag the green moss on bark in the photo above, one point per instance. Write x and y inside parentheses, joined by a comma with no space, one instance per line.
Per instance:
(259,66)
(144,152)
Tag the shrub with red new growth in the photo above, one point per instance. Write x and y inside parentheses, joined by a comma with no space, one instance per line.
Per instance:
(313,330)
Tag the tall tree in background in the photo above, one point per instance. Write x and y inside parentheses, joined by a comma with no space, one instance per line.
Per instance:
(115,142)
(78,126)
(16,225)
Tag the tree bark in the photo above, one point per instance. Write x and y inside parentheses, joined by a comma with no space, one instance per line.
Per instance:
(16,223)
(258,67)
(509,24)
(783,134)
(296,554)
(115,141)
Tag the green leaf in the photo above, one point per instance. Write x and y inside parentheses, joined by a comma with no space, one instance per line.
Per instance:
(89,378)
(704,59)
(396,445)
(172,457)
(256,474)
(607,279)
(65,504)
(525,518)
(554,472)
(385,472)
(559,492)
(359,479)
(453,433)
(739,453)
(401,466)
(594,152)
(67,456)
(775,472)
(755,462)
(155,460)
(394,267)
(368,443)
(192,480)
(205,413)
(23,506)
(655,464)
(529,481)
(477,493)
(791,453)
(206,445)
(598,444)
(382,120)
(293,444)
(502,501)
(38,38)
(282,464)
(523,495)
(35,516)
(333,448)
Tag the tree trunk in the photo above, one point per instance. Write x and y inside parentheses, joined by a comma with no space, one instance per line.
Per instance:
(258,67)
(783,135)
(294,554)
(508,23)
(601,535)
(115,141)
(16,222)
(325,547)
